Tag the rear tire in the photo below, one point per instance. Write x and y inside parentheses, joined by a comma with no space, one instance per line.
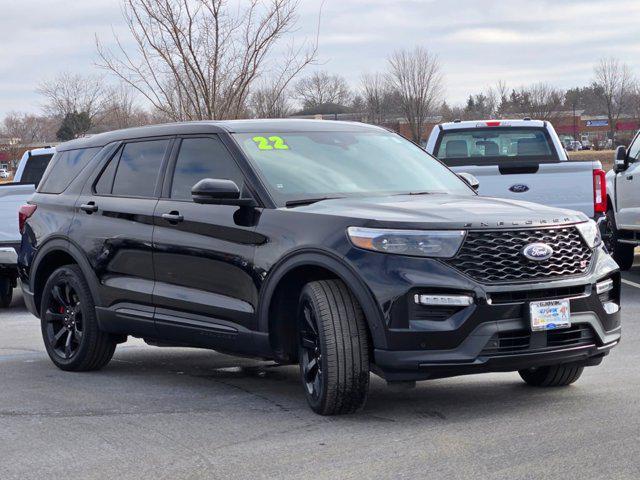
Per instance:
(333,348)
(6,292)
(622,253)
(553,376)
(69,324)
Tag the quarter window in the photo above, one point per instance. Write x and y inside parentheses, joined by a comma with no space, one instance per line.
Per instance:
(138,168)
(65,167)
(202,158)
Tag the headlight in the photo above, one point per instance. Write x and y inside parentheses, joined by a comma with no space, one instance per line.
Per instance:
(419,243)
(590,232)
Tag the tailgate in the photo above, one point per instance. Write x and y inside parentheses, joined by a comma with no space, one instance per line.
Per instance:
(12,196)
(563,184)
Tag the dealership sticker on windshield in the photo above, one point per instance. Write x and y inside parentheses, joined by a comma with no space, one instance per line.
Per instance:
(271,143)
(550,315)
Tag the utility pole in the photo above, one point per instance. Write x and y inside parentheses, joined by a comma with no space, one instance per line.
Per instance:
(575,132)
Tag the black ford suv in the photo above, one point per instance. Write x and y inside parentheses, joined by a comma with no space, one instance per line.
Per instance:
(338,246)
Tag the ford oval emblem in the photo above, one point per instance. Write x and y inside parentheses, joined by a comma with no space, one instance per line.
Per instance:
(519,188)
(537,251)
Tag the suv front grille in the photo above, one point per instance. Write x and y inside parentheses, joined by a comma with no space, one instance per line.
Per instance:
(496,256)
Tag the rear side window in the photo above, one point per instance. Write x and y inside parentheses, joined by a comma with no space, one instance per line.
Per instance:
(65,166)
(35,168)
(202,158)
(138,168)
(482,146)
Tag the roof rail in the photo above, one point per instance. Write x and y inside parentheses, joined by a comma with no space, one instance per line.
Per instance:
(457,120)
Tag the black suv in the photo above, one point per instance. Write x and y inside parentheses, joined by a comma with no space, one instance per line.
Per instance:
(338,246)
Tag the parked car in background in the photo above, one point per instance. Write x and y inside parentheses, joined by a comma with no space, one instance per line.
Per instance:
(336,245)
(12,196)
(522,160)
(621,230)
(4,173)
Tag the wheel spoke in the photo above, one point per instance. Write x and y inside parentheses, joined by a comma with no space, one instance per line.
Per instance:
(308,343)
(309,321)
(67,345)
(310,370)
(50,316)
(58,336)
(77,334)
(57,294)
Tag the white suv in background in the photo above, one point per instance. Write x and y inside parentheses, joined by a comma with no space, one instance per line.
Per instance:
(621,231)
(4,173)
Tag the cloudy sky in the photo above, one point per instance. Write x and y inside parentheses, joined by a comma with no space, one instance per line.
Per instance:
(478,41)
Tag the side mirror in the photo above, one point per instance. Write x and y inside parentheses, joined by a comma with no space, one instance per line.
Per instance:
(215,191)
(621,160)
(470,180)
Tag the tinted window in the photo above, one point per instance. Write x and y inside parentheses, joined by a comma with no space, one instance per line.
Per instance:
(35,168)
(634,150)
(484,146)
(65,166)
(138,168)
(202,158)
(105,182)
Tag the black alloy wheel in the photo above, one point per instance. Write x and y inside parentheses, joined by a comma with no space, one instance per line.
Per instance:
(64,320)
(310,352)
(70,329)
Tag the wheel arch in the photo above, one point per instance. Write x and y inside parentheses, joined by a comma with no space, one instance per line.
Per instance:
(280,293)
(54,254)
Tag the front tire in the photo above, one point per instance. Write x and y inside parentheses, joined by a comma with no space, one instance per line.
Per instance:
(6,292)
(553,376)
(622,253)
(333,348)
(69,323)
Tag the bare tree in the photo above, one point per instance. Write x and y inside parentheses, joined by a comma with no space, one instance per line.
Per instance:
(322,88)
(198,59)
(417,77)
(120,110)
(616,83)
(23,130)
(72,93)
(270,101)
(543,101)
(376,93)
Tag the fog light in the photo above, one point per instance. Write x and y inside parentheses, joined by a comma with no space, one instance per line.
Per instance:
(454,300)
(611,307)
(604,286)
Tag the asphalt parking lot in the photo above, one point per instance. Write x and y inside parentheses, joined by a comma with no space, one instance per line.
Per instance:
(182,413)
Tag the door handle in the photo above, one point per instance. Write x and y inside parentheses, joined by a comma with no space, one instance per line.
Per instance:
(173,217)
(89,207)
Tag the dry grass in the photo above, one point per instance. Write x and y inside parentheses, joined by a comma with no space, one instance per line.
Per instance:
(605,157)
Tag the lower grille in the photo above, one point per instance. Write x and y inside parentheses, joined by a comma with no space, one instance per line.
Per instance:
(495,256)
(532,295)
(521,341)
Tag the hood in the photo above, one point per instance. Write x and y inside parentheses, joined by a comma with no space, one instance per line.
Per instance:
(444,211)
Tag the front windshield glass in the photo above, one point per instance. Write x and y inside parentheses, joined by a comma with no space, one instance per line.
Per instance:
(305,165)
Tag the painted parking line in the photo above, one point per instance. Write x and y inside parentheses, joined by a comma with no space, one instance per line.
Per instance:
(630,283)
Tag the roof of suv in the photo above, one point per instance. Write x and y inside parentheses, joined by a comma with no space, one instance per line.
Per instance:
(492,123)
(210,126)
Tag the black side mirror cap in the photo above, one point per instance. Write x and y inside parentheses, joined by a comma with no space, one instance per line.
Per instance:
(470,180)
(215,191)
(621,159)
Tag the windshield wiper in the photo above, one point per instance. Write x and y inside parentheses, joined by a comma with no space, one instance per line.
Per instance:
(415,193)
(307,201)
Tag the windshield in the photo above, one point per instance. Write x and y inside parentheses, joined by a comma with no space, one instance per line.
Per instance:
(304,165)
(486,146)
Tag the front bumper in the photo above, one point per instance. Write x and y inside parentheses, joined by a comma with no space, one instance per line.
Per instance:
(494,333)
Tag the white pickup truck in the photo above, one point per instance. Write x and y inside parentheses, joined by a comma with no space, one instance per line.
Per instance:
(12,196)
(522,160)
(621,231)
